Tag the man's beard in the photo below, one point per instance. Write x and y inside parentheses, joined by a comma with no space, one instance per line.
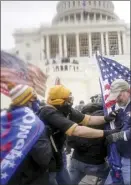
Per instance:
(121,104)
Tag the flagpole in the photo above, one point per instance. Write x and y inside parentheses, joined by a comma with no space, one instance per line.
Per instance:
(97,53)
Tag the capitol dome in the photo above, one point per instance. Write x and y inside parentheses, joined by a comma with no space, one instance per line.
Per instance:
(66,48)
(77,11)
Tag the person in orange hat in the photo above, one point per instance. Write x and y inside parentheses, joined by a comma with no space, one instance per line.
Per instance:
(64,120)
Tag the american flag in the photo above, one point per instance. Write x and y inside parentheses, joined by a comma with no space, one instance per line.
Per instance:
(84,3)
(16,71)
(38,79)
(109,71)
(10,137)
(13,70)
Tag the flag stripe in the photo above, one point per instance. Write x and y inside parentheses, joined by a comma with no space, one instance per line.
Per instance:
(15,70)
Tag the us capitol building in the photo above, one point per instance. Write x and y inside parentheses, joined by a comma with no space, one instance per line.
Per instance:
(66,48)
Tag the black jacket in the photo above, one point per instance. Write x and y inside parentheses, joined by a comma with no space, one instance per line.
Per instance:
(34,168)
(90,151)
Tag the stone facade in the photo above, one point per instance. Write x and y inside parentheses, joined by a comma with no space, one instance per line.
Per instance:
(76,31)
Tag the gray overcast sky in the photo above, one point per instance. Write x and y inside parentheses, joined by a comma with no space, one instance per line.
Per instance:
(22,14)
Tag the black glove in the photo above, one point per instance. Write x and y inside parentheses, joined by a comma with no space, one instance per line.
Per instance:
(110,132)
(112,115)
(112,138)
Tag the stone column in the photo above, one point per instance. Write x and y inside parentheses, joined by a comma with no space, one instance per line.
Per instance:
(82,19)
(65,46)
(90,45)
(77,45)
(75,20)
(107,44)
(119,43)
(42,48)
(60,46)
(102,44)
(94,16)
(47,47)
(124,43)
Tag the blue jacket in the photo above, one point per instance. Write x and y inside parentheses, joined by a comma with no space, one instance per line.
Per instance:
(125,119)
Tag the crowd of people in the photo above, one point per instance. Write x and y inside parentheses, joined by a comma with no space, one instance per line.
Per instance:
(82,128)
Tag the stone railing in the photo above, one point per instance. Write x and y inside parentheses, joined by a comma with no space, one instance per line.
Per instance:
(62,67)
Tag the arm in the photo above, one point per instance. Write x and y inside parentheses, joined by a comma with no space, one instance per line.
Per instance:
(99,120)
(86,120)
(83,131)
(96,120)
(124,135)
(71,128)
(127,134)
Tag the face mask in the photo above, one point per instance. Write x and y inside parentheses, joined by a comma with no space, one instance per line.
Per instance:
(65,109)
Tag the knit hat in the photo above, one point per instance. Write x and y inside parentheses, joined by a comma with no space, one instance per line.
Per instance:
(21,94)
(58,94)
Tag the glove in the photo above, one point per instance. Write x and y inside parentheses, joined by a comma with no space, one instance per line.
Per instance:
(112,115)
(115,137)
(110,132)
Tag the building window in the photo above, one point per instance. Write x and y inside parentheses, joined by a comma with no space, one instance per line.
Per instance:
(121,43)
(104,37)
(73,3)
(78,17)
(71,45)
(66,18)
(27,45)
(69,4)
(91,15)
(96,42)
(103,17)
(28,56)
(84,47)
(113,43)
(72,17)
(89,2)
(61,67)
(66,68)
(54,45)
(97,16)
